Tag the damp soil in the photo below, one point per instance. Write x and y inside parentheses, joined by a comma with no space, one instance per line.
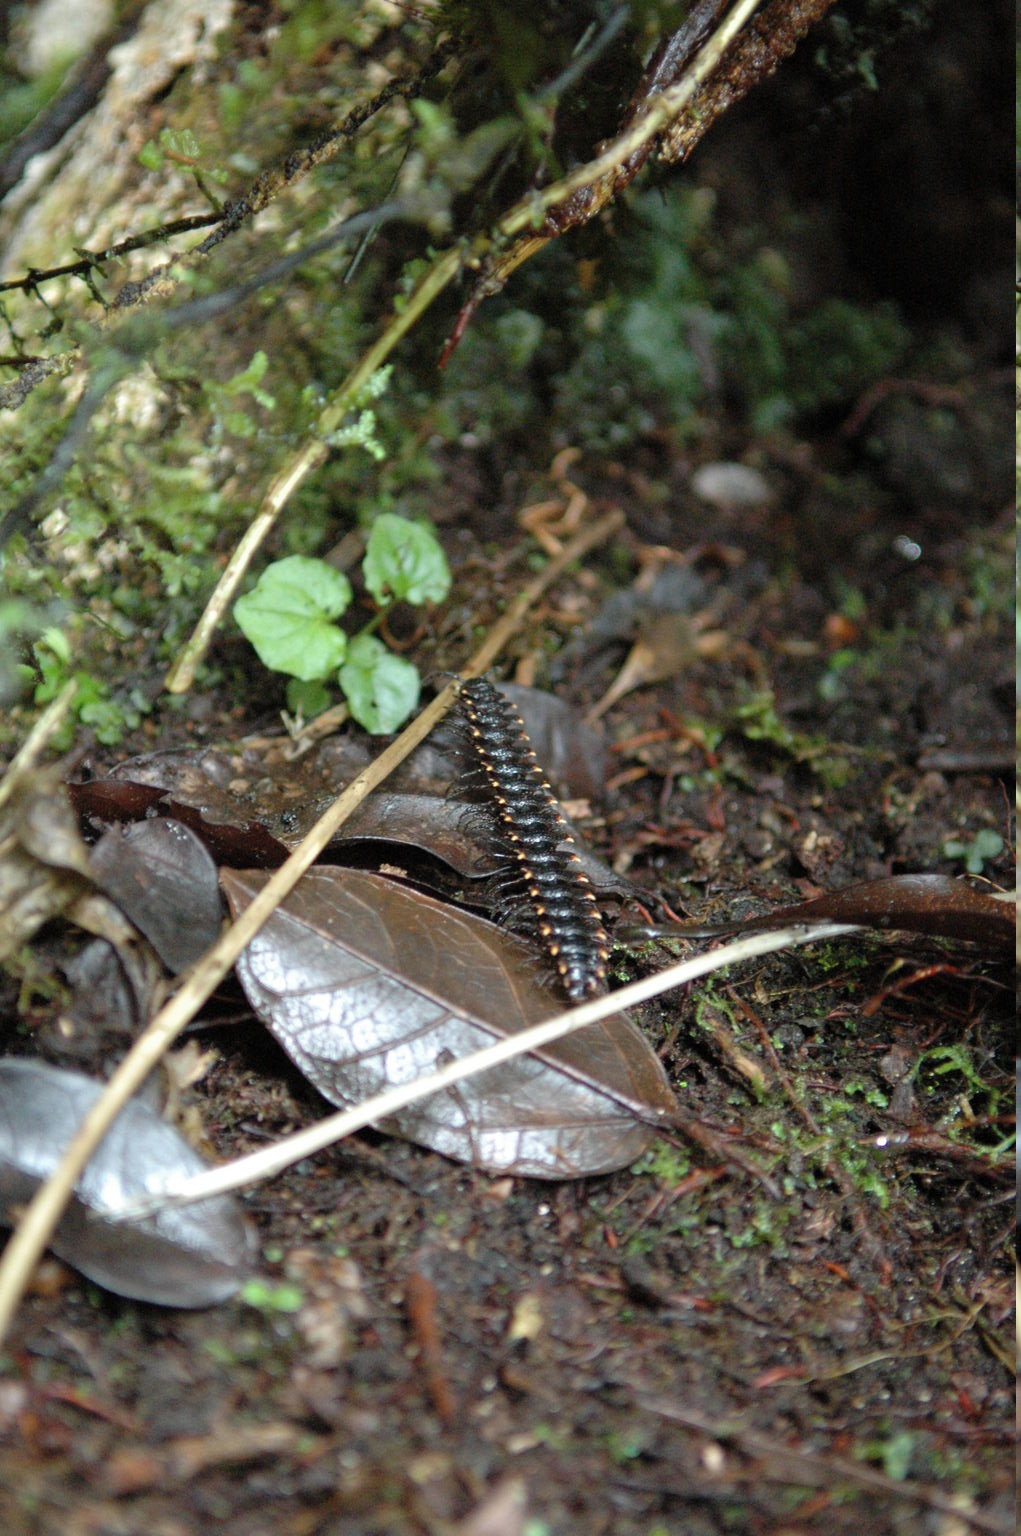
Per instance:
(814,1333)
(810,1334)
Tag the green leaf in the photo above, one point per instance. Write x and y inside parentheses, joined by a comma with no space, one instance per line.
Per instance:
(272,1298)
(986,844)
(55,640)
(52,654)
(404,562)
(150,155)
(897,1453)
(307,699)
(382,689)
(239,424)
(287,617)
(181,143)
(106,719)
(247,382)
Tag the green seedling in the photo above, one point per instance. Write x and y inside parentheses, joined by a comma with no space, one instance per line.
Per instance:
(109,717)
(272,1298)
(290,618)
(180,147)
(986,844)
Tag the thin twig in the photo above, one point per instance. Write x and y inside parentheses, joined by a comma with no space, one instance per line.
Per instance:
(753,56)
(89,261)
(44,1212)
(661,111)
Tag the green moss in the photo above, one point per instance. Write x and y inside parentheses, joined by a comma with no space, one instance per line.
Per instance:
(282,1297)
(971,1087)
(664,1161)
(557,1437)
(767,1226)
(837,350)
(990,569)
(241,1346)
(624,1447)
(686,320)
(758,720)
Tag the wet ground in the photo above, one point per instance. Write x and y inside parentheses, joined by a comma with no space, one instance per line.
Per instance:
(808,1329)
(815,1334)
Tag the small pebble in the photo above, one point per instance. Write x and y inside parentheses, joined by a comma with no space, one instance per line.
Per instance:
(731,485)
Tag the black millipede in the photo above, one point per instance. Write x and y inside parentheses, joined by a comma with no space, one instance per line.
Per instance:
(562,904)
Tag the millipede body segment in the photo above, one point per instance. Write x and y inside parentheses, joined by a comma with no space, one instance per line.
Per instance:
(562,903)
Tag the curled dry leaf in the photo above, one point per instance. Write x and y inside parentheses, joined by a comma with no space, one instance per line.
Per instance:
(420,824)
(367,985)
(438,841)
(935,904)
(667,643)
(250,803)
(932,904)
(193,1257)
(121,800)
(42,859)
(259,791)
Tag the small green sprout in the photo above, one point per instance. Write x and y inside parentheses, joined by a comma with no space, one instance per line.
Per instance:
(986,844)
(181,147)
(272,1298)
(290,618)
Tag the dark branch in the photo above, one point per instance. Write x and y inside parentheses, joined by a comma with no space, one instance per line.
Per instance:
(89,261)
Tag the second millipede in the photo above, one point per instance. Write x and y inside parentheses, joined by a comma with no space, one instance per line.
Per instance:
(562,904)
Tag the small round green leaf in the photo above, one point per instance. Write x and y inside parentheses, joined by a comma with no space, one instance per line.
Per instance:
(404,562)
(308,699)
(180,142)
(287,617)
(382,689)
(150,155)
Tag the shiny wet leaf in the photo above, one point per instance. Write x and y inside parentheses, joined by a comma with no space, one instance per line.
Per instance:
(192,1257)
(366,985)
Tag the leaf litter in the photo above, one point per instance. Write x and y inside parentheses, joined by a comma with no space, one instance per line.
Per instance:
(930,904)
(367,985)
(188,1258)
(164,880)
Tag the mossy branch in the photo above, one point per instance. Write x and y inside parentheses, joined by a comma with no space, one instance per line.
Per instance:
(525,215)
(164,280)
(93,261)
